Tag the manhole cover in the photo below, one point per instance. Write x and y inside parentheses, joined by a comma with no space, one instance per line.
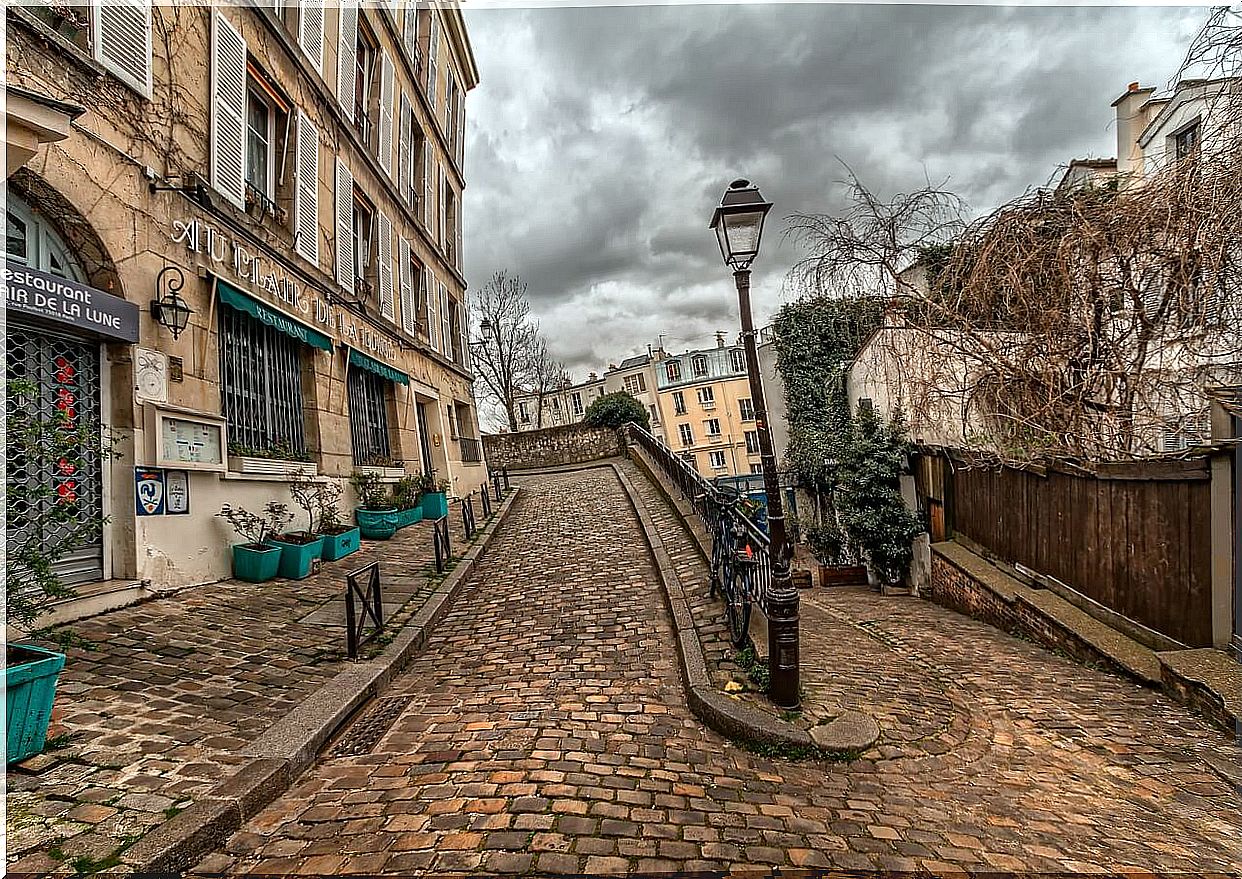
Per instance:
(367,730)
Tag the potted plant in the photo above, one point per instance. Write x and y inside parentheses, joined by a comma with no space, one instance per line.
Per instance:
(435,499)
(300,549)
(837,563)
(46,522)
(376,513)
(407,494)
(339,539)
(257,559)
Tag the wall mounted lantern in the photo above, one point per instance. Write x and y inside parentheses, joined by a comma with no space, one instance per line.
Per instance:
(169,309)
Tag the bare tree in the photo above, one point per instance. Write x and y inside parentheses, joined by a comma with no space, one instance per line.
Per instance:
(547,376)
(504,341)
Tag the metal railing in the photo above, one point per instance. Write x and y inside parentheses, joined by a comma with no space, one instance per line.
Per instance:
(715,507)
(471,450)
(356,633)
(468,523)
(443,543)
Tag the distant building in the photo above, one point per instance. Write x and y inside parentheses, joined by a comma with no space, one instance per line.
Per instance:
(566,405)
(637,377)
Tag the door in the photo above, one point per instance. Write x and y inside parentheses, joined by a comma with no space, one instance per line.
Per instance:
(64,374)
(424,444)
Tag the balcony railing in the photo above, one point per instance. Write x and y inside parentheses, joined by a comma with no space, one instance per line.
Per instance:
(471,450)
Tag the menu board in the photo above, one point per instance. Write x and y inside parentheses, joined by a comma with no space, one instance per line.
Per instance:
(191,442)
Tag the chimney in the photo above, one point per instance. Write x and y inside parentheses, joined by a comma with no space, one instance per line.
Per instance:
(594,377)
(720,338)
(1131,120)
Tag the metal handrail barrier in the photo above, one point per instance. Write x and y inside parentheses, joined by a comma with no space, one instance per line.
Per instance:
(372,606)
(442,542)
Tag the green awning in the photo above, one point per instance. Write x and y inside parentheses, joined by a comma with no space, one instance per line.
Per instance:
(362,361)
(234,298)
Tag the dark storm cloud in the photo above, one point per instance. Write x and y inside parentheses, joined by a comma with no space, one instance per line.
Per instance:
(601,138)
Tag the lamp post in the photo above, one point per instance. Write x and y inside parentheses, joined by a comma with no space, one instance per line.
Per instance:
(738,223)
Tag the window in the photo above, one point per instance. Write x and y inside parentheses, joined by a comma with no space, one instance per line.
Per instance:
(556,404)
(737,359)
(698,366)
(364,217)
(1186,141)
(712,426)
(364,82)
(655,416)
(707,398)
(261,385)
(716,460)
(451,411)
(752,442)
(449,234)
(686,435)
(748,409)
(635,384)
(756,469)
(866,404)
(576,401)
(679,403)
(673,370)
(368,416)
(31,241)
(523,413)
(259,130)
(691,459)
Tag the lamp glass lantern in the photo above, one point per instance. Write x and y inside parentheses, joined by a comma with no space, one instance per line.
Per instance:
(486,328)
(738,223)
(169,309)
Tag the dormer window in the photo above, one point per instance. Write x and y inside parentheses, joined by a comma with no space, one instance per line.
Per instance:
(1186,141)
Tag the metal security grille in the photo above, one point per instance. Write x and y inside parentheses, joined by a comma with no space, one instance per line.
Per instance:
(368,416)
(261,381)
(64,373)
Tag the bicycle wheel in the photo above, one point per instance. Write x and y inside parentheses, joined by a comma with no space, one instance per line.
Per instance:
(717,564)
(737,604)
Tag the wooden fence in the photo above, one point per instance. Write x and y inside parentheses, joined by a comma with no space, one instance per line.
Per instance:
(1134,537)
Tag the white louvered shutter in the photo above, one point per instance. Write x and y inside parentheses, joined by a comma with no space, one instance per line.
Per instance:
(433,47)
(442,237)
(433,319)
(122,36)
(385,114)
(310,31)
(409,319)
(306,194)
(403,149)
(428,176)
(387,308)
(446,322)
(463,326)
(347,58)
(344,226)
(228,111)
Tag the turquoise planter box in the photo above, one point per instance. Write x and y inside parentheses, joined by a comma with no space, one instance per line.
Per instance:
(435,505)
(337,546)
(31,683)
(296,558)
(377,524)
(406,518)
(255,565)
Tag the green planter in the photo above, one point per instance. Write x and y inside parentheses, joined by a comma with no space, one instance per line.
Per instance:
(30,675)
(337,546)
(377,524)
(296,558)
(435,505)
(410,516)
(255,565)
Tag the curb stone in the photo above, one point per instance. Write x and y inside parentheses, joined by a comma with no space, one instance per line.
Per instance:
(847,736)
(291,745)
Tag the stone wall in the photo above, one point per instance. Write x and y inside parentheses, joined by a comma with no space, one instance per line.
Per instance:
(552,447)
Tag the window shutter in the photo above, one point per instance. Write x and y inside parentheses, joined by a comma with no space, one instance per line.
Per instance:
(122,32)
(461,130)
(310,31)
(433,324)
(344,226)
(409,26)
(446,324)
(433,46)
(403,149)
(463,327)
(385,114)
(347,58)
(228,111)
(387,307)
(428,175)
(409,320)
(306,193)
(443,209)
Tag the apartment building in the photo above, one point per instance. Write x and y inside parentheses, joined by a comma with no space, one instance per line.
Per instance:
(705,406)
(638,377)
(565,405)
(234,243)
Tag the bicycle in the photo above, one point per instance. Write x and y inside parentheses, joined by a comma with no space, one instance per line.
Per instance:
(733,560)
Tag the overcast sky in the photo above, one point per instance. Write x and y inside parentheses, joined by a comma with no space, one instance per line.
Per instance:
(600,139)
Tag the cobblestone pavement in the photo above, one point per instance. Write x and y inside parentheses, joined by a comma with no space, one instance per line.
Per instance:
(546,730)
(155,713)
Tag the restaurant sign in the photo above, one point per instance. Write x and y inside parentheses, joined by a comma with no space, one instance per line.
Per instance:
(39,294)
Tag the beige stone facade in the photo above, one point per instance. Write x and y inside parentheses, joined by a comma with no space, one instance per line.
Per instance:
(253,156)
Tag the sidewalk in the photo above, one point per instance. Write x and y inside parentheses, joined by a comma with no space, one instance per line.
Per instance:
(155,713)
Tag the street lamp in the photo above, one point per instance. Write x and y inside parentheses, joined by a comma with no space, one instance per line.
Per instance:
(738,223)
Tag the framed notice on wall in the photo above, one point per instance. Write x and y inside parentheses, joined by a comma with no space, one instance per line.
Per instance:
(182,439)
(177,492)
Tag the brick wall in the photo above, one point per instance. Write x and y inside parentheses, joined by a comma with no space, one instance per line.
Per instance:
(552,447)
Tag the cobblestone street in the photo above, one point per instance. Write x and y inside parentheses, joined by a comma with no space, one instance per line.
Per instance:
(544,727)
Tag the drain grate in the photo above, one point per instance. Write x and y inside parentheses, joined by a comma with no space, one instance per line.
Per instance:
(362,737)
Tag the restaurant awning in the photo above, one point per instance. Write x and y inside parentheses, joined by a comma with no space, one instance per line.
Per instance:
(234,298)
(362,361)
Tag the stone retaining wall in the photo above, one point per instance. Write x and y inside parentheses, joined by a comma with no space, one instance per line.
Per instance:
(552,447)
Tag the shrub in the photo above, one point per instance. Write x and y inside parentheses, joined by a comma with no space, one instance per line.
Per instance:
(617,410)
(372,492)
